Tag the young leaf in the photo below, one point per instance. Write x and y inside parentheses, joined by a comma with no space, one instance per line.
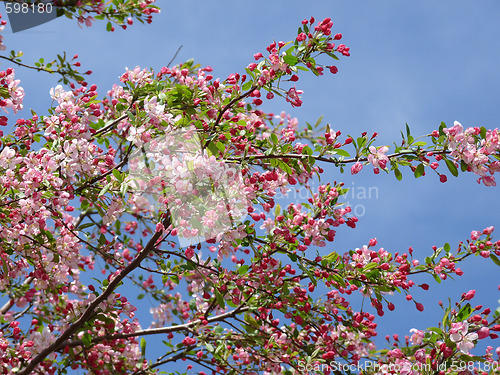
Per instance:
(495,259)
(419,172)
(483,132)
(274,138)
(341,152)
(398,174)
(290,60)
(143,346)
(452,168)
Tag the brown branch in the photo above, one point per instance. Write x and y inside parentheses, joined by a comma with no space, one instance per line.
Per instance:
(322,158)
(89,312)
(108,127)
(156,331)
(175,55)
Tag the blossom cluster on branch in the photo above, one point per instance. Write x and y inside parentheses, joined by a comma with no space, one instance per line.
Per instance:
(166,187)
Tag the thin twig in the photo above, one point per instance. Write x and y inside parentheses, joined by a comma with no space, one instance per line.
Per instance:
(39,69)
(175,55)
(161,330)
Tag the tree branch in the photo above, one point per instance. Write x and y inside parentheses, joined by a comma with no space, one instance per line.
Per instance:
(322,158)
(89,312)
(156,331)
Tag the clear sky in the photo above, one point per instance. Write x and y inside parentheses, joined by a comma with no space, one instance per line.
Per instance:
(411,62)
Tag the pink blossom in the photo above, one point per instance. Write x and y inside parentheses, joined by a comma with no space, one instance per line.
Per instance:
(459,335)
(417,337)
(293,97)
(377,156)
(487,180)
(488,230)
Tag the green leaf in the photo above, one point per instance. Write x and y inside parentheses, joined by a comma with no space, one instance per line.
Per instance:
(284,167)
(307,150)
(483,132)
(398,174)
(175,279)
(336,277)
(105,189)
(341,152)
(250,320)
(419,171)
(407,130)
(495,259)
(332,257)
(290,60)
(247,86)
(464,312)
(318,121)
(220,146)
(452,168)
(370,266)
(117,175)
(102,239)
(447,247)
(243,269)
(87,339)
(419,143)
(143,346)
(220,299)
(274,138)
(463,166)
(84,226)
(212,148)
(441,127)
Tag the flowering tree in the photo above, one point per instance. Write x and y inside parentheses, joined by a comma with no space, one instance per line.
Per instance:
(166,188)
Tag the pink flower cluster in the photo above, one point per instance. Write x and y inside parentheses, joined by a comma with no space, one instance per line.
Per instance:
(13,98)
(465,147)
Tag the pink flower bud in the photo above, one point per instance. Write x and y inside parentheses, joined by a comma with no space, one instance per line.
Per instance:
(257,56)
(356,168)
(483,333)
(469,295)
(333,69)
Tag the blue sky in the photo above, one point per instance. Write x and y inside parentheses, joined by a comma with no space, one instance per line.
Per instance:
(411,62)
